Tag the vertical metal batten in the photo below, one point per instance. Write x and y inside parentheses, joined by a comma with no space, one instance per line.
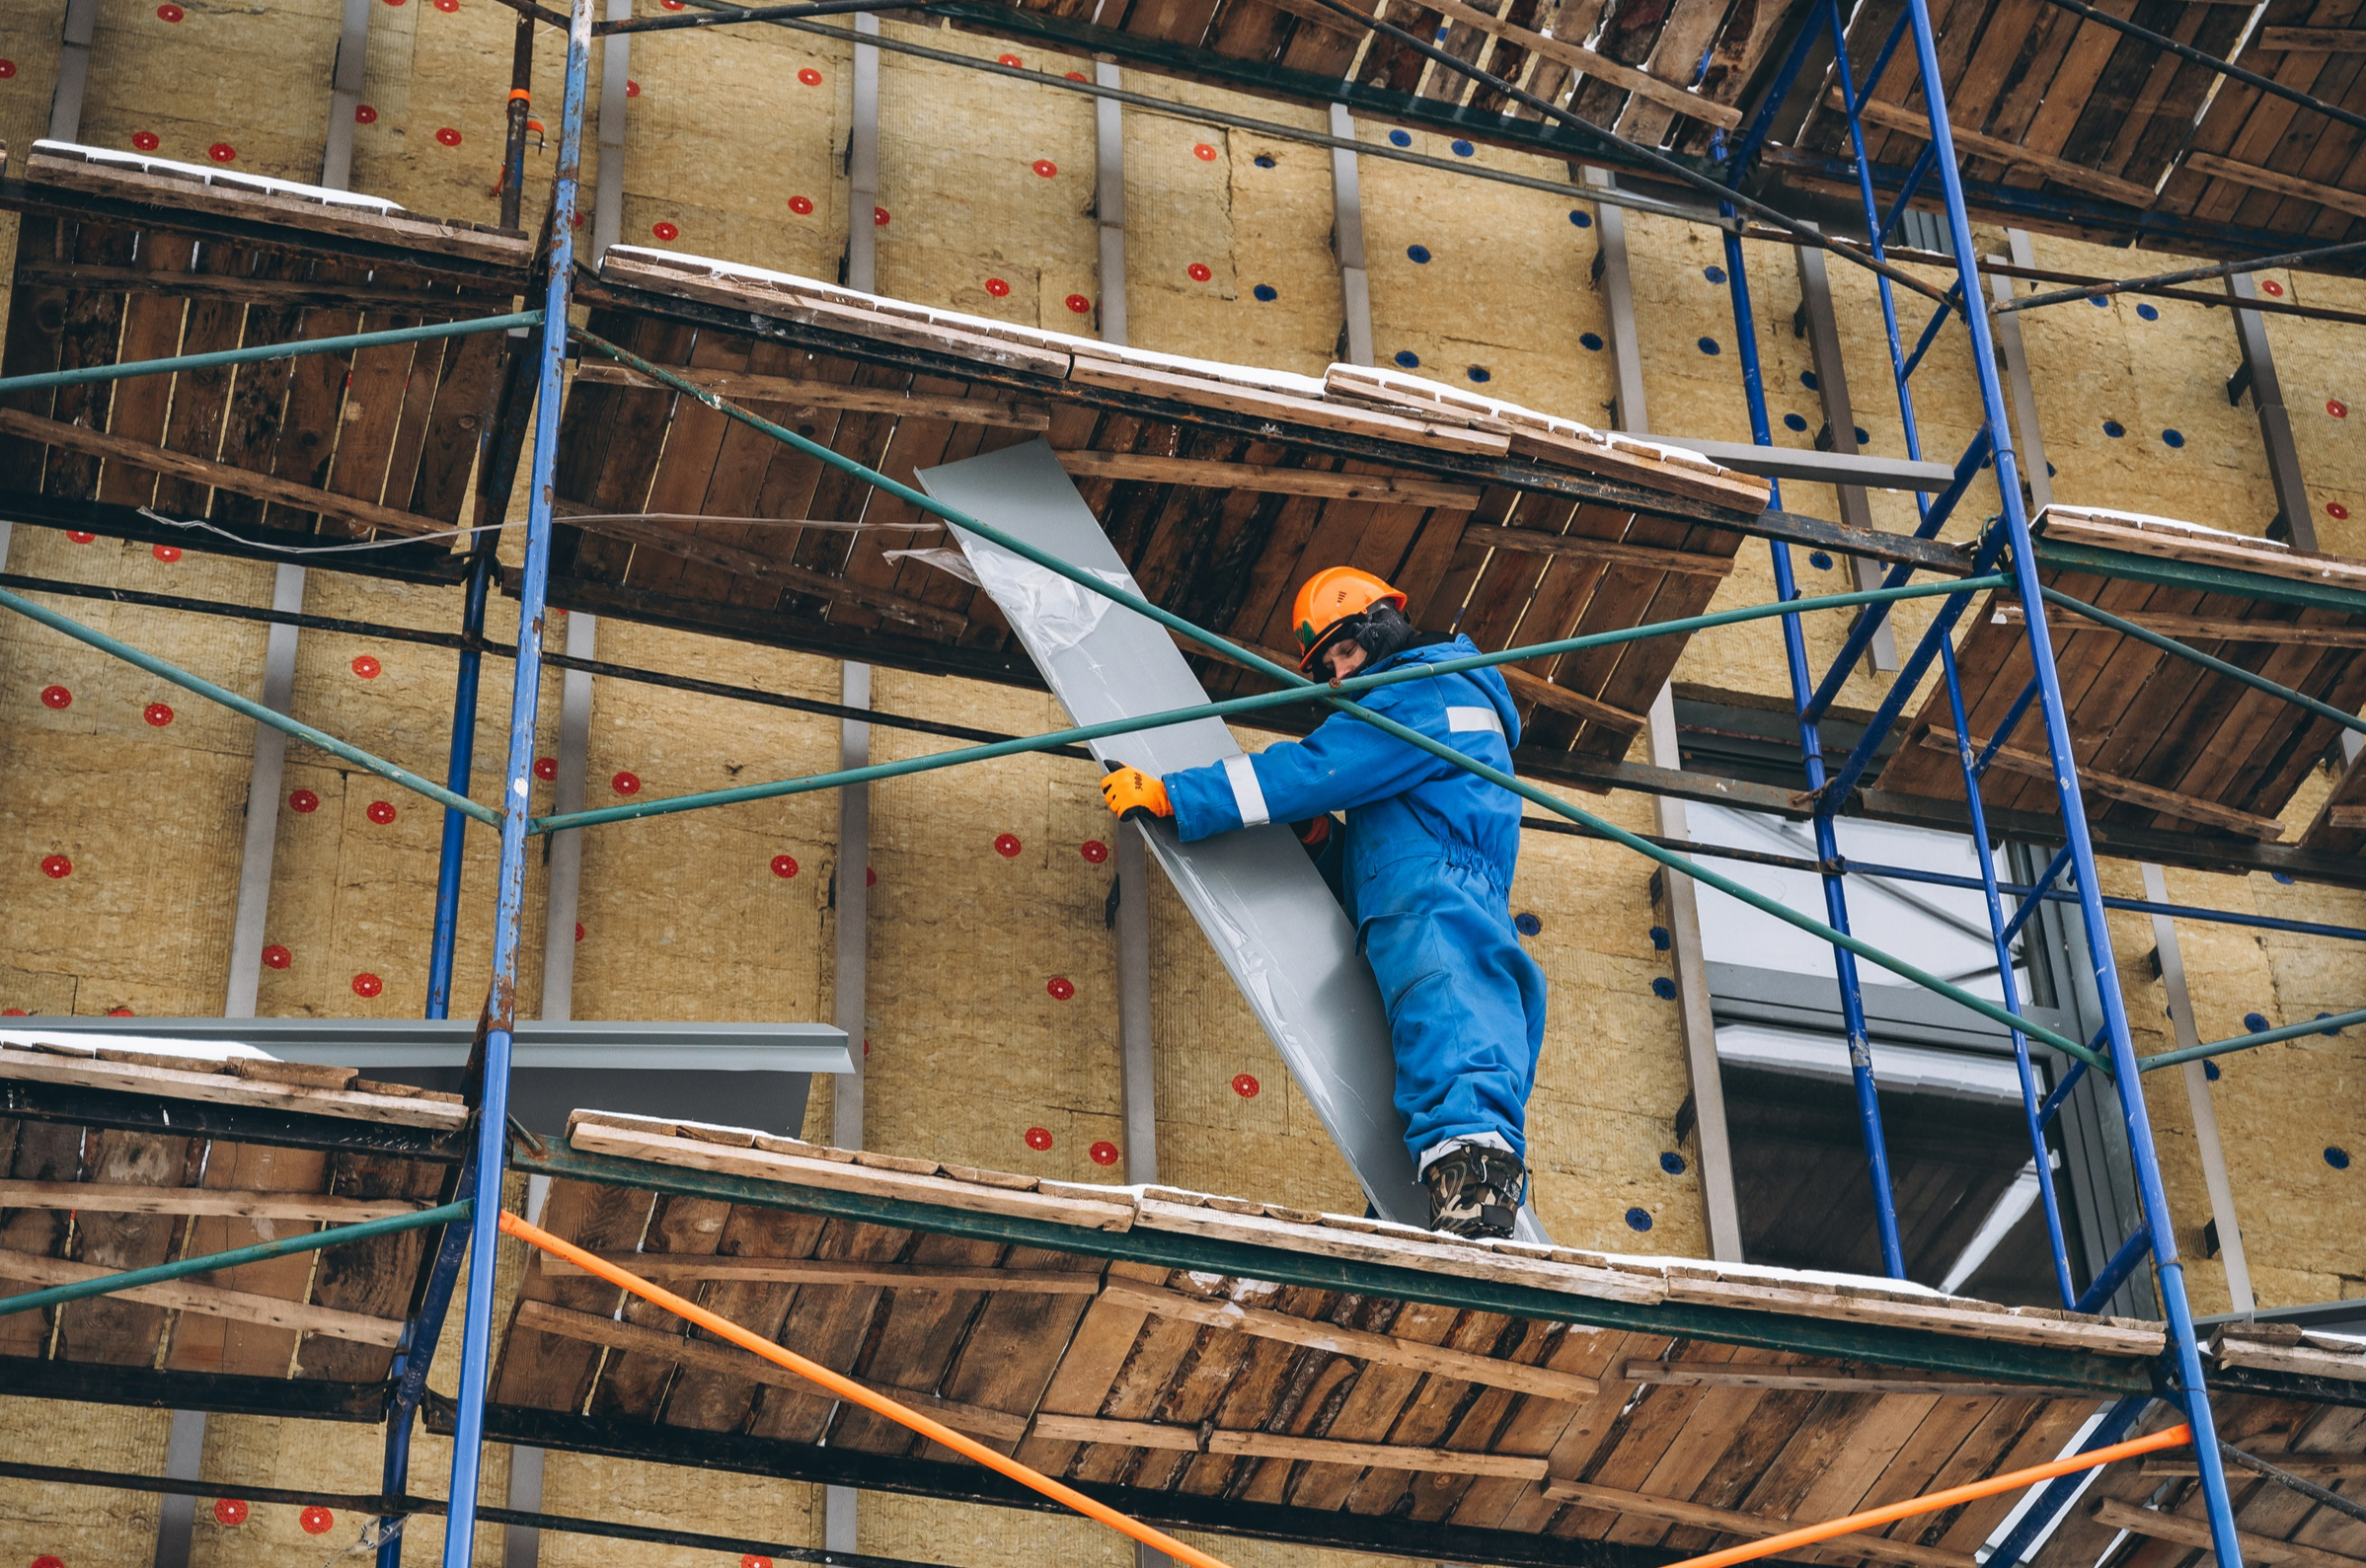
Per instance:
(1822,331)
(2275,420)
(1688,963)
(344,95)
(458,768)
(501,1007)
(1108,201)
(184,1461)
(2197,1098)
(1138,1070)
(1347,236)
(1812,755)
(73,71)
(608,193)
(566,853)
(263,803)
(2185,1368)
(840,1528)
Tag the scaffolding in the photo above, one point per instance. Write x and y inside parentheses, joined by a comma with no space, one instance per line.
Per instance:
(2006,563)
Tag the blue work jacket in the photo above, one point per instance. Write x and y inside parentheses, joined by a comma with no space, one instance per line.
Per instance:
(1402,802)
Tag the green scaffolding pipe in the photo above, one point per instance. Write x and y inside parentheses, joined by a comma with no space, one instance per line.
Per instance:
(1288,677)
(247,705)
(243,356)
(875,772)
(2182,650)
(2329,1024)
(132,1279)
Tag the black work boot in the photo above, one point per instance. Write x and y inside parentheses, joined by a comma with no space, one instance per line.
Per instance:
(1476,1190)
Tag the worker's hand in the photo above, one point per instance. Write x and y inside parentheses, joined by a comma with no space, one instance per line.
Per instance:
(1131,792)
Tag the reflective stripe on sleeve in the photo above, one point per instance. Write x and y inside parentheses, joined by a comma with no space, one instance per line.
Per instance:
(1464,719)
(1247,795)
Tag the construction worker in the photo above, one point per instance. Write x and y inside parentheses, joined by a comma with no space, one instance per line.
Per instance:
(1426,868)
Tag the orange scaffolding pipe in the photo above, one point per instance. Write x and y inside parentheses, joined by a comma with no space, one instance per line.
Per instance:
(855,1393)
(1807,1536)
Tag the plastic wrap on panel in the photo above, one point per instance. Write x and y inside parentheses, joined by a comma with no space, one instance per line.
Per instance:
(1279,932)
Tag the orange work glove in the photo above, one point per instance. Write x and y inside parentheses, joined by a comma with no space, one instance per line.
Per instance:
(1129,791)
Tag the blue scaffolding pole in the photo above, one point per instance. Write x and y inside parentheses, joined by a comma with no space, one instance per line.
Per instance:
(489,1160)
(2007,534)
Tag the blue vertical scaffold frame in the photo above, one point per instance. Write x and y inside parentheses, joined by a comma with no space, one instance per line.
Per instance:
(2005,536)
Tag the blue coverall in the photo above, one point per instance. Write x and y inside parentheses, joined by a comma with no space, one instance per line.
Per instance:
(1427,878)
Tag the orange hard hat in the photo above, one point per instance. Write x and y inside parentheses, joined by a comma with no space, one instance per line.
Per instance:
(1331,596)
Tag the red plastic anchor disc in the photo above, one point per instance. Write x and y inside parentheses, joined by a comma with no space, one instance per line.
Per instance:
(878,216)
(578,931)
(802,206)
(1200,272)
(809,77)
(84,539)
(665,231)
(275,957)
(168,553)
(1039,1138)
(1007,846)
(56,867)
(170,12)
(364,985)
(1044,168)
(997,287)
(317,1521)
(2270,286)
(303,800)
(364,114)
(1094,851)
(157,713)
(1244,1085)
(367,667)
(56,697)
(1011,60)
(221,152)
(1081,305)
(1104,1153)
(380,811)
(1204,152)
(1060,987)
(143,141)
(2336,407)
(229,1510)
(632,88)
(626,783)
(545,768)
(783,865)
(448,136)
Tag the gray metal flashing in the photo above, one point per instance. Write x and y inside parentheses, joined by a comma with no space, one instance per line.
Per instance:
(1274,925)
(444,1043)
(1628,410)
(2028,436)
(177,1516)
(1818,324)
(851,901)
(863,169)
(1137,1074)
(1819,467)
(268,772)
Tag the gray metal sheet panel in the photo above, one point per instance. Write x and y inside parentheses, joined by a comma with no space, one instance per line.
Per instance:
(1284,938)
(444,1043)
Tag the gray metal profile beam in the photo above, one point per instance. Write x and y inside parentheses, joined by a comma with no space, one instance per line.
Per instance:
(184,1461)
(268,773)
(2197,1099)
(1822,331)
(73,71)
(1347,238)
(863,179)
(564,856)
(1676,899)
(608,188)
(2275,420)
(344,95)
(2029,435)
(1819,467)
(1108,201)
